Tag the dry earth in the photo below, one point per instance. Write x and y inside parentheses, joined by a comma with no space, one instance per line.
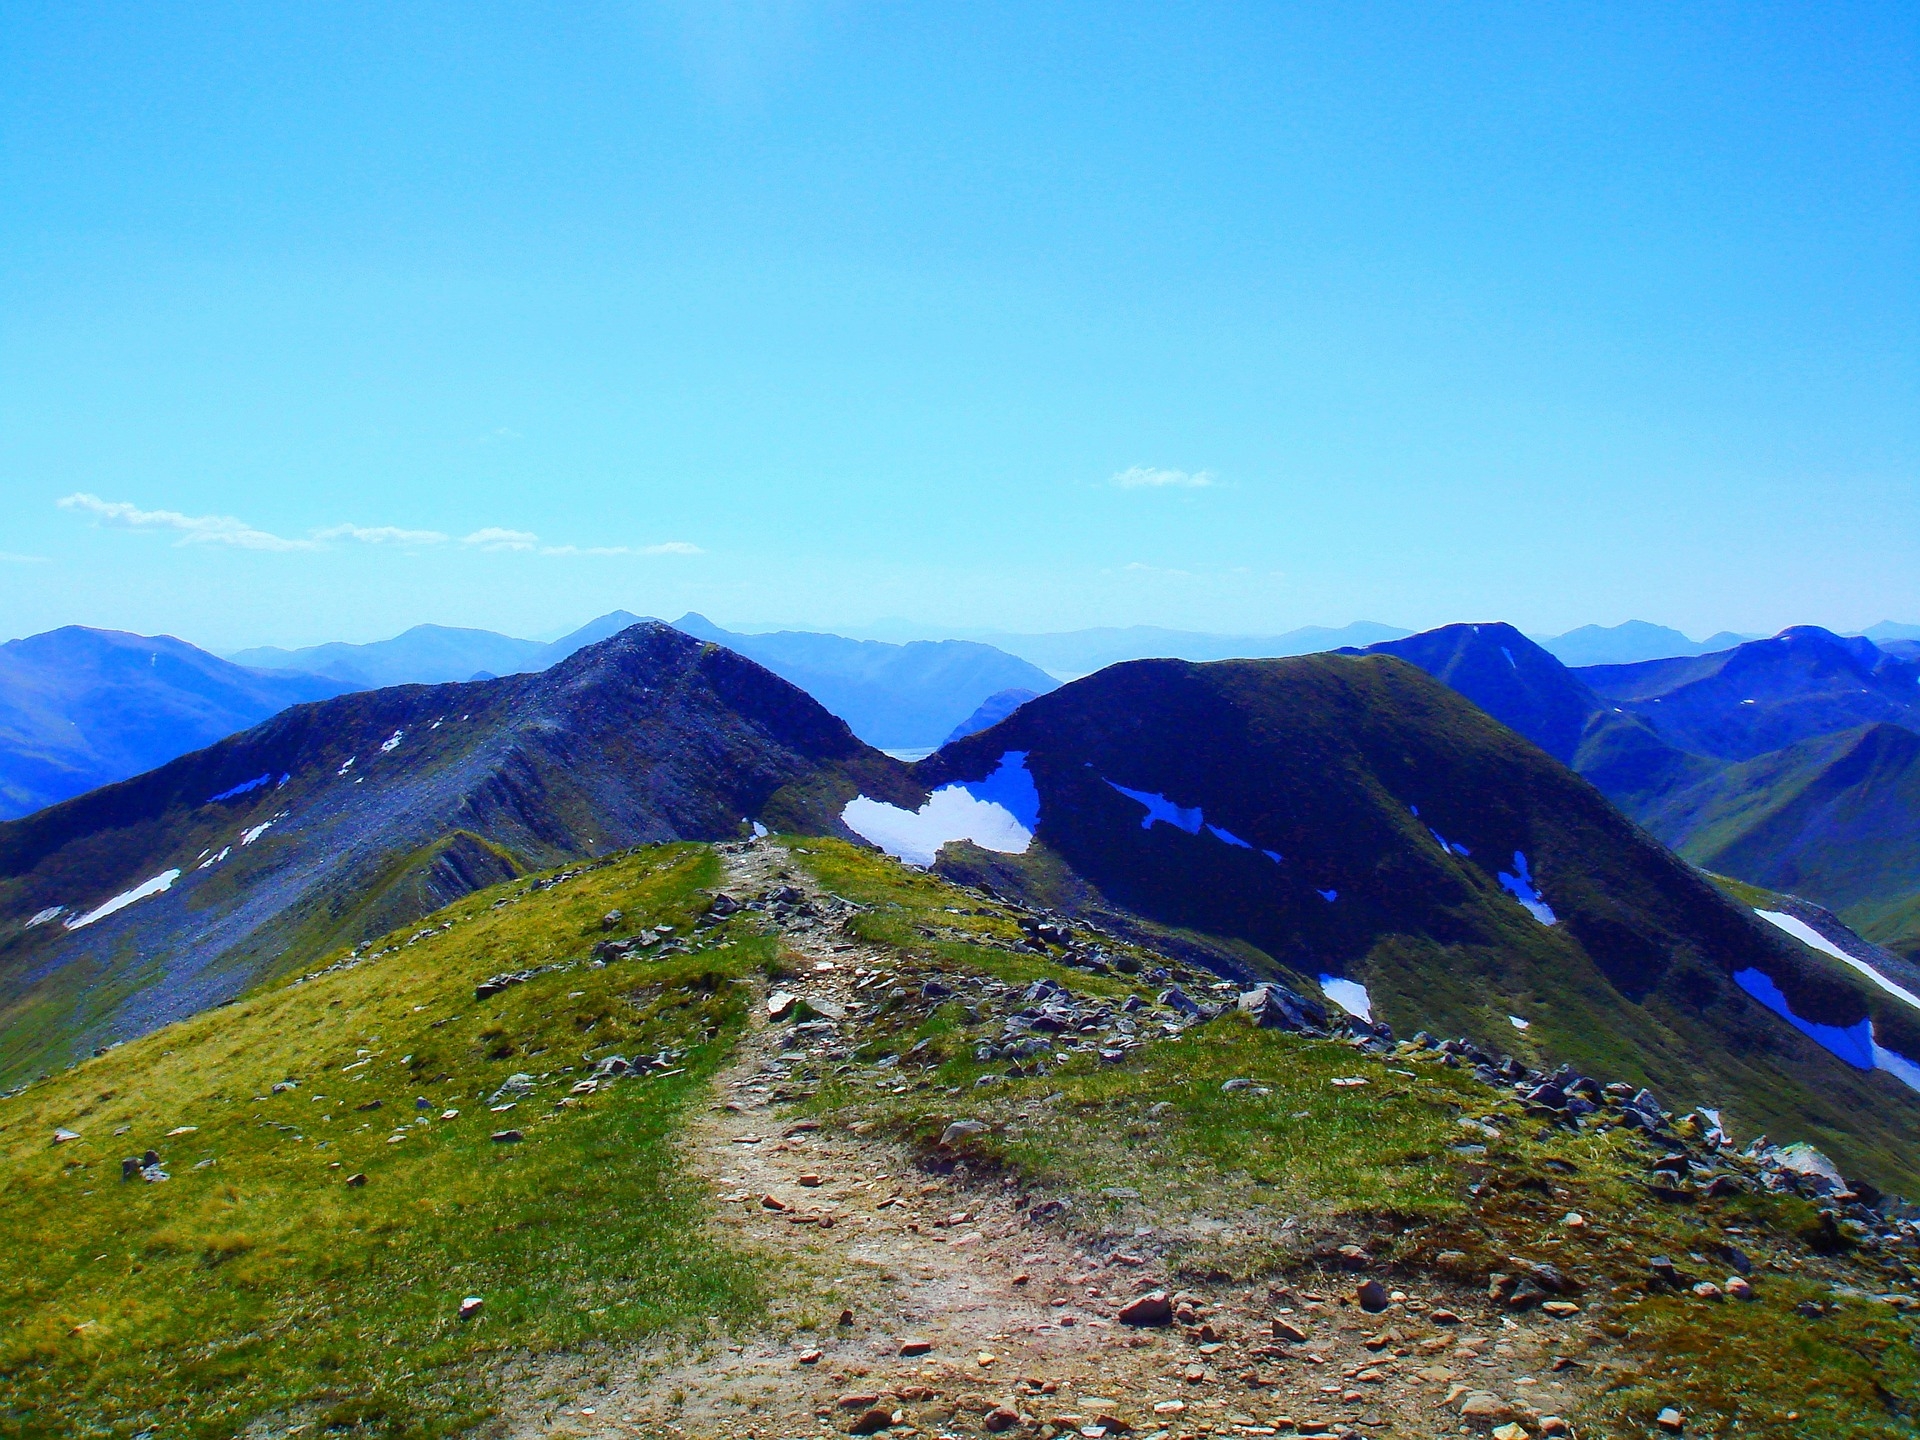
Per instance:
(1011,1325)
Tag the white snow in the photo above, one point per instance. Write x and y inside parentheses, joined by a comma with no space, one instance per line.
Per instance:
(392,742)
(1807,935)
(1520,886)
(348,766)
(1161,810)
(1856,1044)
(214,860)
(52,912)
(998,813)
(1510,660)
(1328,895)
(248,836)
(1349,995)
(161,882)
(1228,836)
(1518,1023)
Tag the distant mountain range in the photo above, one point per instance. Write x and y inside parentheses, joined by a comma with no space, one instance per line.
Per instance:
(432,655)
(1342,823)
(1780,762)
(1072,653)
(82,708)
(900,697)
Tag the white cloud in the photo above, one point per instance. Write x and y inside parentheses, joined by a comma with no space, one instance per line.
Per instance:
(7,557)
(1145,477)
(494,538)
(381,535)
(227,530)
(192,529)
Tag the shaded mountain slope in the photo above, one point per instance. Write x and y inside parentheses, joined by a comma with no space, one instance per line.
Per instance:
(1835,819)
(81,708)
(1274,804)
(901,696)
(338,820)
(1767,694)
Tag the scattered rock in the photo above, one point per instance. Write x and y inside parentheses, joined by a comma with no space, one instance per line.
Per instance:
(62,1135)
(1372,1296)
(1671,1421)
(780,1004)
(356,1180)
(915,1347)
(507,1137)
(960,1130)
(1152,1308)
(471,1306)
(1287,1330)
(1000,1419)
(871,1423)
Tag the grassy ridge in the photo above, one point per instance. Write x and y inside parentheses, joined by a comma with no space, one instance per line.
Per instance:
(1277,1178)
(260,1282)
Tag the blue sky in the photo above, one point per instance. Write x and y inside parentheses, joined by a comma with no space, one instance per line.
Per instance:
(1229,317)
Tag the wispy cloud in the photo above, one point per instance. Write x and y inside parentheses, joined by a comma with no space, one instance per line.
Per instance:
(237,533)
(1146,477)
(494,538)
(7,557)
(192,529)
(381,535)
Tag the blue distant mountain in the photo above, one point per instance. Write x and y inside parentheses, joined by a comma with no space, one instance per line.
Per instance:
(896,697)
(432,654)
(81,708)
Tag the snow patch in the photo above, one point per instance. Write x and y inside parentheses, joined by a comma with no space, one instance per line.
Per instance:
(392,742)
(159,883)
(1328,895)
(213,860)
(1852,1043)
(1161,810)
(998,813)
(1273,855)
(348,766)
(1520,885)
(1510,660)
(1807,935)
(1447,845)
(1349,995)
(241,789)
(1228,836)
(52,912)
(248,836)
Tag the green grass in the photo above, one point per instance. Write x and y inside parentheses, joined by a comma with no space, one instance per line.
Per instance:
(263,1284)
(1281,1178)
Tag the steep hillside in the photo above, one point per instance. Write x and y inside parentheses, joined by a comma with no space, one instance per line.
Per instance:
(898,696)
(995,708)
(82,708)
(1346,819)
(1834,819)
(154,898)
(1767,694)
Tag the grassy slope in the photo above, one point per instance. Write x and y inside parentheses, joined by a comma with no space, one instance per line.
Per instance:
(1374,1163)
(262,1283)
(1835,819)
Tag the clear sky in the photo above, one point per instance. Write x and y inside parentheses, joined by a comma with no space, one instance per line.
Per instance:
(324,320)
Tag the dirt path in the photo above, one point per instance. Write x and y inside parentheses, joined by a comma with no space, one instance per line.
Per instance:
(962,1317)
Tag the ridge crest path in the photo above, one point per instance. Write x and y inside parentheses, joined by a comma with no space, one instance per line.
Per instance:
(1014,1317)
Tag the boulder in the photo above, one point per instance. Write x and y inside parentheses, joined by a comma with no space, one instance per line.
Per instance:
(1275,1007)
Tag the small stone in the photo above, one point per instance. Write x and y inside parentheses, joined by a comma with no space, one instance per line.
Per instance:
(1707,1290)
(999,1419)
(355,1181)
(810,1180)
(1738,1288)
(1169,1407)
(1671,1420)
(1511,1431)
(1560,1309)
(915,1347)
(780,1004)
(471,1306)
(1196,1374)
(773,1202)
(1554,1425)
(874,1421)
(859,1400)
(1372,1296)
(62,1135)
(809,1357)
(960,1130)
(1486,1407)
(1443,1317)
(1573,1220)
(1152,1308)
(507,1137)
(1287,1330)
(985,1359)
